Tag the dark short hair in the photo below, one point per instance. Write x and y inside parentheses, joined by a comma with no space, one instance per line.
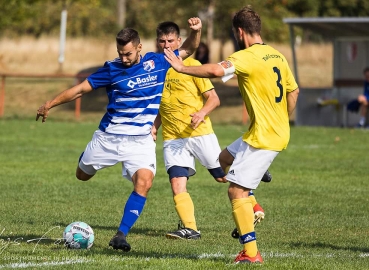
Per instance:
(166,28)
(126,36)
(248,20)
(366,70)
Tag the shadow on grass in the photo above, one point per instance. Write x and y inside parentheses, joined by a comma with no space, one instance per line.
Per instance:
(144,231)
(325,245)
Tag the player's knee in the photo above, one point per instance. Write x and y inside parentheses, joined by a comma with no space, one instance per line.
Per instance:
(143,187)
(177,171)
(81,175)
(178,185)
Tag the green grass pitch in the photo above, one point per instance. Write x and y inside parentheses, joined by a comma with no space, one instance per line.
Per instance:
(317,206)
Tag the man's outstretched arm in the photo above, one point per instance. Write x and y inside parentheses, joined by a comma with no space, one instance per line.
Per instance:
(203,71)
(64,97)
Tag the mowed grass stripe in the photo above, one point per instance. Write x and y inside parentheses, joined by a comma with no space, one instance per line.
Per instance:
(316,206)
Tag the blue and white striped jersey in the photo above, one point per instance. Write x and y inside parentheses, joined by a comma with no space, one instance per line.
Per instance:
(134,93)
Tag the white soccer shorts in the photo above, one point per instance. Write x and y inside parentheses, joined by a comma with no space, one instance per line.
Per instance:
(182,152)
(105,150)
(249,164)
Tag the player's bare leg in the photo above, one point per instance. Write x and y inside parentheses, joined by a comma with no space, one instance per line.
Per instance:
(187,228)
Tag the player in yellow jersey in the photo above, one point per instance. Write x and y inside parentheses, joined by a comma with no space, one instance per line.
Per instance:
(270,92)
(187,132)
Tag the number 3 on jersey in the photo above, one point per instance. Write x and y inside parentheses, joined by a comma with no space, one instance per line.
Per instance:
(278,99)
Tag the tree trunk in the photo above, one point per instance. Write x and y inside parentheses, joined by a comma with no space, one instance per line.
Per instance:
(121,16)
(210,23)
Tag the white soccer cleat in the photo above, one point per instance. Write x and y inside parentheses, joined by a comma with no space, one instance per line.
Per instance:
(258,217)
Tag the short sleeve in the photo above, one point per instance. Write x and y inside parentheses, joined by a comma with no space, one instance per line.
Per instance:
(101,78)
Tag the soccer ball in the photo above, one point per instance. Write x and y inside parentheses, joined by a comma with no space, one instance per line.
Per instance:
(78,235)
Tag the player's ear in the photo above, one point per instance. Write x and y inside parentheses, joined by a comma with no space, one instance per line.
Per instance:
(139,47)
(239,31)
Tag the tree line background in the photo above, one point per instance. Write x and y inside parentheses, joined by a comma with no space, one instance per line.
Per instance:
(103,18)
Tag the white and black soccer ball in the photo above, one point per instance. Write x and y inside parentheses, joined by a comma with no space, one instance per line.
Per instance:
(78,235)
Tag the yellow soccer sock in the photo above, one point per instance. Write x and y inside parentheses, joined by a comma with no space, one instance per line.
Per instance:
(243,215)
(185,210)
(252,198)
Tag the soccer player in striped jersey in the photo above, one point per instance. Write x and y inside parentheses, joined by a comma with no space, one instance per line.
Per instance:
(270,92)
(134,86)
(187,132)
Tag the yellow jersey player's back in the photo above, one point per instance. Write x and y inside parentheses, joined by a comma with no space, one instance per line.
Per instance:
(264,79)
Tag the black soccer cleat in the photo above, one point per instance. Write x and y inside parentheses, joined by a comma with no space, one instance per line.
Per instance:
(119,242)
(267,177)
(235,234)
(184,233)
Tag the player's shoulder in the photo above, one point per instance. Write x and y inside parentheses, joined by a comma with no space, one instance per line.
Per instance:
(273,50)
(267,52)
(115,61)
(155,55)
(189,61)
(150,55)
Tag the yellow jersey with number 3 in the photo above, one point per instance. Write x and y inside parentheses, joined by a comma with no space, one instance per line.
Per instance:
(264,78)
(182,96)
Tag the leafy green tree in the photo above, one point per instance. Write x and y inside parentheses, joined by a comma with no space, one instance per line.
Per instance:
(302,8)
(98,18)
(37,17)
(343,8)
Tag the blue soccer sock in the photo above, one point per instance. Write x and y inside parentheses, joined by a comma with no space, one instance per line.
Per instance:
(132,211)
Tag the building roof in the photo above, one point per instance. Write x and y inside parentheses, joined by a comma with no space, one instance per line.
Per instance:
(333,27)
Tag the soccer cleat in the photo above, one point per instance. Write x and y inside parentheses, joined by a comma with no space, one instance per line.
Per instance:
(259,215)
(119,242)
(243,258)
(267,177)
(235,234)
(183,233)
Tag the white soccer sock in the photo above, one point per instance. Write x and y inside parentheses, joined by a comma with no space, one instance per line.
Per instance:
(362,121)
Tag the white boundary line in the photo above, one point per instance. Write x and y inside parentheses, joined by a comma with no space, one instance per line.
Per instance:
(201,256)
(44,264)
